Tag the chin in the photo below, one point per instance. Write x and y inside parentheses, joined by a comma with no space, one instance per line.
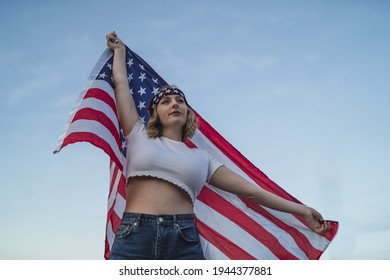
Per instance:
(175,122)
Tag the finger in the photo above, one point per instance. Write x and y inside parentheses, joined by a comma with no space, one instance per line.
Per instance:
(322,230)
(326,227)
(109,39)
(110,34)
(113,39)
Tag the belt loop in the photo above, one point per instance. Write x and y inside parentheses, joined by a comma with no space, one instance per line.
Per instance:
(195,220)
(139,217)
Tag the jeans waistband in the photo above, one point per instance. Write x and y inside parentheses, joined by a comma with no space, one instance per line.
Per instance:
(163,220)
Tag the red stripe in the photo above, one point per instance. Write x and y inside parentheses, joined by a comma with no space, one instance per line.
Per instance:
(101,95)
(237,216)
(94,140)
(122,180)
(227,247)
(115,222)
(113,217)
(330,234)
(122,186)
(111,214)
(107,251)
(190,144)
(96,115)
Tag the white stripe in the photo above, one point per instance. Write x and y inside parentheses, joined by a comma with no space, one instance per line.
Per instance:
(120,204)
(235,233)
(100,130)
(103,85)
(116,181)
(110,236)
(101,106)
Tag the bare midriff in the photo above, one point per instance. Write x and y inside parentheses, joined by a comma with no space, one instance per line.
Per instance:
(154,196)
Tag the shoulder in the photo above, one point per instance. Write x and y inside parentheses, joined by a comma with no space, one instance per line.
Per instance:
(212,162)
(138,128)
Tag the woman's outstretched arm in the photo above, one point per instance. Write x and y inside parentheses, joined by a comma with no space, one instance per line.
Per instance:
(229,181)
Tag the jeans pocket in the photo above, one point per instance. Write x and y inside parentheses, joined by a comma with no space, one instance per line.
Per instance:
(188,232)
(124,230)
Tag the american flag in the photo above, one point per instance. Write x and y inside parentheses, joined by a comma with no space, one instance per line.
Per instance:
(230,227)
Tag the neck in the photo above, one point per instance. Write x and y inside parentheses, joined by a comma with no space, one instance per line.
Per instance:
(173,133)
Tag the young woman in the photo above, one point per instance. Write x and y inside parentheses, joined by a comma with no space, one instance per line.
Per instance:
(164,176)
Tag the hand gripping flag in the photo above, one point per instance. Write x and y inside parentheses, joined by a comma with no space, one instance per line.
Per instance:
(230,227)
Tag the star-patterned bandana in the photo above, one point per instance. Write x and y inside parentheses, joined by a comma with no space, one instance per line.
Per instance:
(164,91)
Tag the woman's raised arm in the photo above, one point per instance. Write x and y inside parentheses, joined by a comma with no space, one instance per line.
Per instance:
(127,111)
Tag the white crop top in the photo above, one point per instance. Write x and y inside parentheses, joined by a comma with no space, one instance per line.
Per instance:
(169,160)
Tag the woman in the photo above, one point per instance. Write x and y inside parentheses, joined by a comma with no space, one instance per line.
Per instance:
(165,176)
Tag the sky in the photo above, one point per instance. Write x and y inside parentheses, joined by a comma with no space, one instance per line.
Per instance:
(300,88)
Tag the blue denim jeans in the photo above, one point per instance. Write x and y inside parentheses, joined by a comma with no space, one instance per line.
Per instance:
(157,237)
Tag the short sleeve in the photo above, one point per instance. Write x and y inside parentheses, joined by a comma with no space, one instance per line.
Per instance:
(138,128)
(213,166)
(137,131)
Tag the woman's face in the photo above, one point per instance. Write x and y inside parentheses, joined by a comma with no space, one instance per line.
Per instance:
(172,111)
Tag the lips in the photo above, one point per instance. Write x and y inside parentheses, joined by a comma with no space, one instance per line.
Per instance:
(175,112)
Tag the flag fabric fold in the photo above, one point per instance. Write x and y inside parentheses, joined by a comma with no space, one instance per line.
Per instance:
(230,227)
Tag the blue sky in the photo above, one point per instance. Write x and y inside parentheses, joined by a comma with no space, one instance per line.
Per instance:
(301,88)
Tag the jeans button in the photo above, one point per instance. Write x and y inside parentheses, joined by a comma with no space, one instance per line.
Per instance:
(160,219)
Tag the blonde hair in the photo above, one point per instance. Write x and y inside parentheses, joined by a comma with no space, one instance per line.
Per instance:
(155,128)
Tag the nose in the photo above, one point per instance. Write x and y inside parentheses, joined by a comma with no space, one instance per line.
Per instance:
(175,104)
